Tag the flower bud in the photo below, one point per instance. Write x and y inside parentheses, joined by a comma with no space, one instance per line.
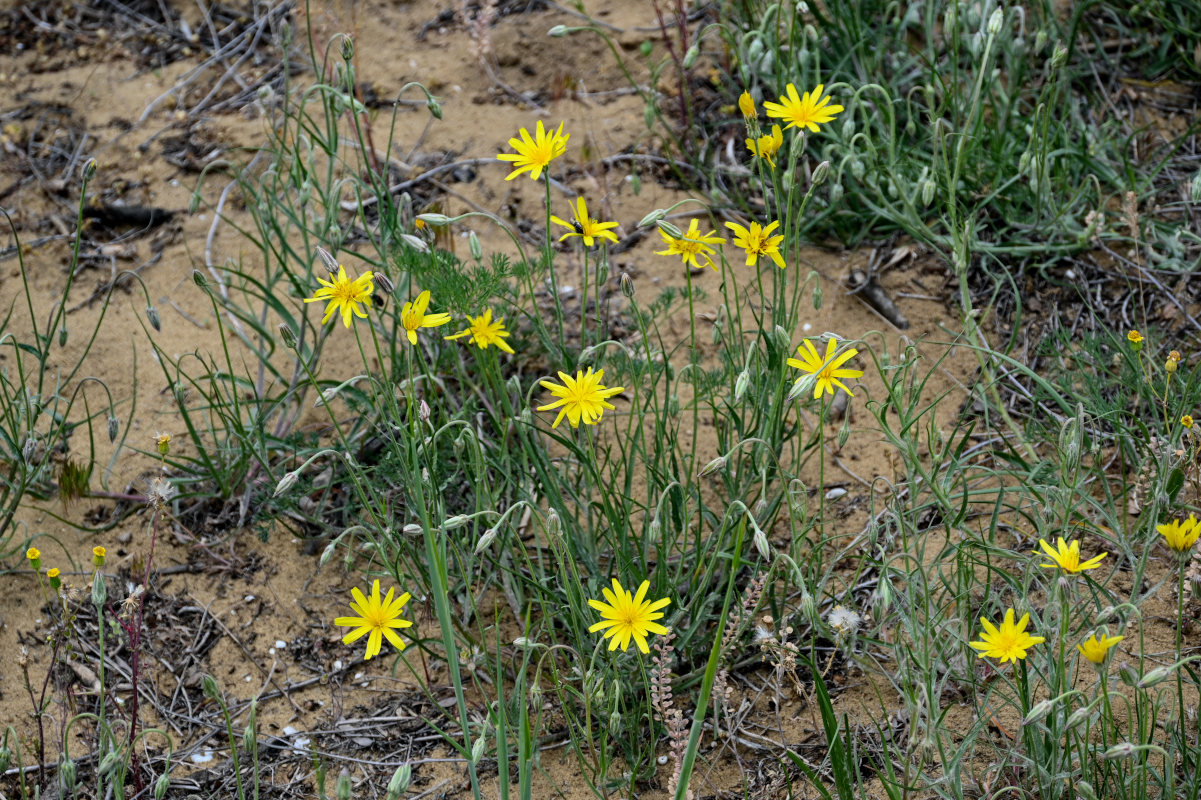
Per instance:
(669,229)
(439,220)
(477,750)
(995,22)
(62,335)
(486,541)
(434,107)
(741,384)
(1085,790)
(161,785)
(848,129)
(152,315)
(928,188)
(1038,713)
(209,684)
(383,283)
(287,336)
(713,466)
(66,774)
(1173,362)
(347,48)
(113,427)
(836,193)
(1127,674)
(6,757)
(285,483)
(1154,677)
(691,56)
(802,387)
(558,31)
(746,103)
(627,285)
(89,170)
(1119,750)
(1195,189)
(761,543)
(1058,56)
(110,762)
(809,607)
(821,173)
(473,246)
(35,558)
(412,529)
(342,787)
(415,242)
(423,411)
(455,522)
(858,169)
(98,554)
(99,589)
(554,525)
(652,218)
(199,279)
(1078,717)
(399,784)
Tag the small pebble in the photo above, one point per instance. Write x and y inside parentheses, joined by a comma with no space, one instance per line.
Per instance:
(835,493)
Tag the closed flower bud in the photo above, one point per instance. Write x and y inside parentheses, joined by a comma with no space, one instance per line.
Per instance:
(554,525)
(423,411)
(415,242)
(741,384)
(1040,41)
(89,170)
(342,787)
(627,285)
(486,540)
(858,168)
(327,554)
(1195,189)
(347,48)
(434,108)
(412,529)
(6,757)
(455,522)
(114,426)
(1085,790)
(821,173)
(110,762)
(713,466)
(848,129)
(691,56)
(62,336)
(383,283)
(669,229)
(473,246)
(809,607)
(209,684)
(995,22)
(1119,750)
(1127,674)
(817,296)
(250,732)
(399,784)
(802,387)
(1038,713)
(66,774)
(928,188)
(161,785)
(558,32)
(434,219)
(655,529)
(836,193)
(152,315)
(199,279)
(287,336)
(761,544)
(99,590)
(1078,717)
(477,750)
(1154,677)
(1059,55)
(285,483)
(844,433)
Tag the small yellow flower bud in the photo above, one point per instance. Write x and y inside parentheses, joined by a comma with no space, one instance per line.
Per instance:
(746,105)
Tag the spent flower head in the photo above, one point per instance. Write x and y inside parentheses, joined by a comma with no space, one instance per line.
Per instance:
(1009,642)
(342,294)
(1187,421)
(1067,557)
(808,111)
(535,154)
(625,616)
(691,245)
(378,619)
(758,241)
(585,227)
(767,145)
(414,318)
(580,398)
(1096,648)
(1181,534)
(485,331)
(828,370)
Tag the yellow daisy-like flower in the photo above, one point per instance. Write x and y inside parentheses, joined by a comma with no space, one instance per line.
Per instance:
(626,616)
(534,155)
(758,241)
(484,331)
(98,555)
(1067,557)
(413,316)
(803,112)
(1187,421)
(344,294)
(52,575)
(1134,337)
(691,246)
(1009,642)
(767,145)
(379,618)
(828,370)
(580,398)
(1180,534)
(1096,648)
(746,104)
(35,558)
(585,227)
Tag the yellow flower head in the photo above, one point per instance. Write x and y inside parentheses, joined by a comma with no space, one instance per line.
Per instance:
(829,369)
(1009,642)
(52,575)
(1096,648)
(484,331)
(534,155)
(1173,362)
(1180,534)
(162,441)
(746,104)
(758,241)
(1134,337)
(767,145)
(1067,557)
(98,555)
(1186,421)
(585,227)
(803,112)
(35,557)
(627,616)
(580,398)
(343,294)
(691,246)
(413,316)
(377,617)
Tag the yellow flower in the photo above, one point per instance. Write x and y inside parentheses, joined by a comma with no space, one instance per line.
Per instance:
(829,369)
(1180,534)
(1009,642)
(758,241)
(582,397)
(746,105)
(98,554)
(484,331)
(1096,648)
(803,112)
(534,155)
(345,294)
(413,316)
(162,441)
(628,616)
(35,558)
(52,574)
(691,245)
(585,227)
(1186,421)
(1135,337)
(767,145)
(377,617)
(1067,557)
(1173,361)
